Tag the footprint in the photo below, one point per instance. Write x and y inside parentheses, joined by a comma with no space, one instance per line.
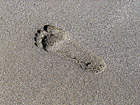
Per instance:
(55,40)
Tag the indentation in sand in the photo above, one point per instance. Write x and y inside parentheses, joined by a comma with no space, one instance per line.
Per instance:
(58,41)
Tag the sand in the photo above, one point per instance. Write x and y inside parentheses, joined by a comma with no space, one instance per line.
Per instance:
(31,76)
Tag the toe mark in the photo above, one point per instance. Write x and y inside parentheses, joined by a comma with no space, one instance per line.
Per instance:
(36,35)
(39,31)
(46,27)
(35,38)
(44,42)
(88,63)
(36,44)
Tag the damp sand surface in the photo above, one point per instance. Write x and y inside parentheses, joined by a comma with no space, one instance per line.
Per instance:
(31,76)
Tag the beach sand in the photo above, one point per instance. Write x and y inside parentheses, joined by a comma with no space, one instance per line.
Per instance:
(31,76)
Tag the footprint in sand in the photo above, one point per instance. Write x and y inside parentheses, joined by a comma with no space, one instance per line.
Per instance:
(57,41)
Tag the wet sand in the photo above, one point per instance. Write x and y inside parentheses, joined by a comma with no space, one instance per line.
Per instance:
(31,76)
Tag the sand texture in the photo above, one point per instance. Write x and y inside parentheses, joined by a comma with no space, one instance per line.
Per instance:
(108,29)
